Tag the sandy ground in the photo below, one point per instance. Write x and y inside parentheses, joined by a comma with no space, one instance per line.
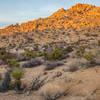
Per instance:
(82,84)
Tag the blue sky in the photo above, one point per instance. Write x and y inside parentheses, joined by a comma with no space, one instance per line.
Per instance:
(18,11)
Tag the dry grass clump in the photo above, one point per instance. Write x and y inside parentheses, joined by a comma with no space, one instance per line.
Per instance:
(76,64)
(51,91)
(36,84)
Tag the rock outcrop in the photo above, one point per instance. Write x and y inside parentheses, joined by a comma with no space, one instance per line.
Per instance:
(77,17)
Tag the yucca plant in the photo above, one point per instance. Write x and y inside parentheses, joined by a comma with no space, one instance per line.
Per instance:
(17,75)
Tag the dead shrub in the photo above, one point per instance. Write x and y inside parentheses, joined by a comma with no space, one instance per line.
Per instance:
(53,65)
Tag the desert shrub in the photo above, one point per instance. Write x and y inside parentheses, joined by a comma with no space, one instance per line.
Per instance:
(51,91)
(30,54)
(76,64)
(73,68)
(13,63)
(20,57)
(5,55)
(76,43)
(68,49)
(80,51)
(36,84)
(32,63)
(89,56)
(39,53)
(93,59)
(17,74)
(45,55)
(36,47)
(12,85)
(97,59)
(53,65)
(57,54)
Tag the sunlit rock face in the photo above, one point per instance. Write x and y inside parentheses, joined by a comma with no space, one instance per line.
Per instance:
(77,17)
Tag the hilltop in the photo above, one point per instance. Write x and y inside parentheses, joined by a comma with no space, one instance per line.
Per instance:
(78,17)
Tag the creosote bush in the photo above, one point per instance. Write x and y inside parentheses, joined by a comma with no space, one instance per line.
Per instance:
(13,63)
(4,55)
(80,51)
(30,54)
(89,56)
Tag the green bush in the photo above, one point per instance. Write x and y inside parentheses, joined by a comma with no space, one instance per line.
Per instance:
(4,55)
(30,54)
(80,51)
(57,54)
(17,74)
(89,56)
(13,63)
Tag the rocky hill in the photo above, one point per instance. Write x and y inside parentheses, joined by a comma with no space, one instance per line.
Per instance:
(67,26)
(77,17)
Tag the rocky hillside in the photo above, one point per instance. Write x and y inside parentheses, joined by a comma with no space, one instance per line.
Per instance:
(77,17)
(67,26)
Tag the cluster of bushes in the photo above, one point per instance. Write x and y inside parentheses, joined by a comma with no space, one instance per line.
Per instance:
(4,55)
(90,56)
(13,76)
(56,54)
(30,54)
(13,63)
(80,51)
